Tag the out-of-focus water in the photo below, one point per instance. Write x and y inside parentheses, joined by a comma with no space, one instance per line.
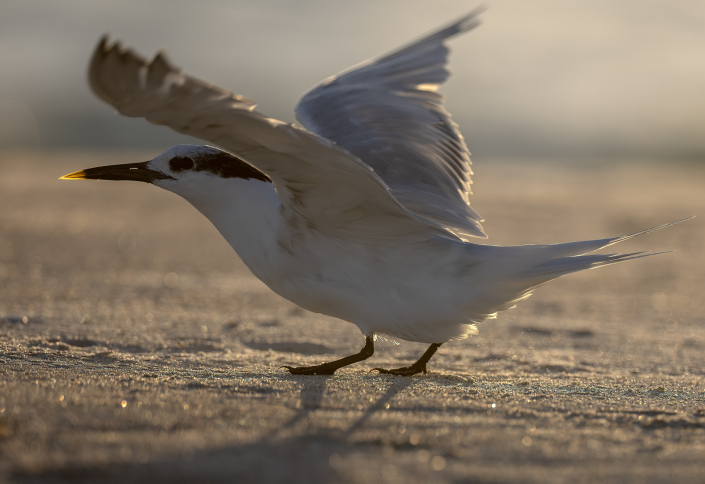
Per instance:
(537,78)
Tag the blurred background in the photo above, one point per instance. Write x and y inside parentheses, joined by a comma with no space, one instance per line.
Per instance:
(132,335)
(544,79)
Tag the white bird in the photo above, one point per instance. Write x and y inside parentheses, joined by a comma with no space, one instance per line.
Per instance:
(363,215)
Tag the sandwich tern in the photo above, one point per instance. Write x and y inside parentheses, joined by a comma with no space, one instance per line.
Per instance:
(363,215)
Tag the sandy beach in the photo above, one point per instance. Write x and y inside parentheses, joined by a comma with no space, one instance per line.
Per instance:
(136,347)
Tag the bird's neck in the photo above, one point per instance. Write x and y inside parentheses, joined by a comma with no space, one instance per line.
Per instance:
(246,213)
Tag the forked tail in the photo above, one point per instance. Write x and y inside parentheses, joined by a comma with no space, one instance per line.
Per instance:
(573,257)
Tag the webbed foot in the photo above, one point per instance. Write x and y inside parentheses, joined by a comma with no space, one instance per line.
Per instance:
(331,367)
(416,368)
(405,371)
(324,369)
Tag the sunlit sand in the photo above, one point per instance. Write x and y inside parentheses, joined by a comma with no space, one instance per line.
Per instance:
(133,342)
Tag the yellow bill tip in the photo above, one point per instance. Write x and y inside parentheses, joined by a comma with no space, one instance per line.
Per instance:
(76,175)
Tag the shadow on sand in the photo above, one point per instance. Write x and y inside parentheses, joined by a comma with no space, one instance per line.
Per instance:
(296,452)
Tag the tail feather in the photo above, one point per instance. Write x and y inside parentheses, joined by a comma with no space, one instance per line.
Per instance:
(551,262)
(574,257)
(586,246)
(617,240)
(554,268)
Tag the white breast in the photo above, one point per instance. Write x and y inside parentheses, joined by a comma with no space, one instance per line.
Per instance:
(372,286)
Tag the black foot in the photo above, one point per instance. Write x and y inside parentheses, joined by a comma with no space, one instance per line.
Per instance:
(406,371)
(324,369)
(416,368)
(329,368)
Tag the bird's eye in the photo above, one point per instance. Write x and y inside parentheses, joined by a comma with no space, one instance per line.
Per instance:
(180,163)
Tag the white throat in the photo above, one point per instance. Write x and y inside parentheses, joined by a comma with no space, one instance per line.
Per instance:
(245,212)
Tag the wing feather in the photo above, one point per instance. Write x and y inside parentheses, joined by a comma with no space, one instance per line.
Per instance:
(320,181)
(387,112)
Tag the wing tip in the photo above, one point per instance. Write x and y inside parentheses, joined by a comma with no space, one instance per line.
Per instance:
(111,56)
(105,46)
(470,20)
(103,42)
(101,51)
(162,58)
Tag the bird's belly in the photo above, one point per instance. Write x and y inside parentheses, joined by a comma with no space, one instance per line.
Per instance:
(403,291)
(410,308)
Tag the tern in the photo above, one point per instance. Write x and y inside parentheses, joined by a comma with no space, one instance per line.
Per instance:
(363,214)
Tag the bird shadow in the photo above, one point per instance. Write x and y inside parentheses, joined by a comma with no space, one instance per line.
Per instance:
(312,389)
(311,398)
(399,384)
(291,453)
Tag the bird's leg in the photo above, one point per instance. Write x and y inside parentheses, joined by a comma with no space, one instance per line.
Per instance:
(416,368)
(329,368)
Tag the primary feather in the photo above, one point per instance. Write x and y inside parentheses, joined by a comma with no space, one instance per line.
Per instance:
(388,112)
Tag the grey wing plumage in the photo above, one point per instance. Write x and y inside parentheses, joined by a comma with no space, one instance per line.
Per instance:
(388,113)
(320,181)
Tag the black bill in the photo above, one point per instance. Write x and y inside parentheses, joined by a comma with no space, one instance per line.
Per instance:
(129,171)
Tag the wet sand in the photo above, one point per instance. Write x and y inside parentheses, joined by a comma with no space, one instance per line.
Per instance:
(136,347)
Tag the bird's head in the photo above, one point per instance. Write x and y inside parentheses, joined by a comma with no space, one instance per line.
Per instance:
(207,177)
(179,169)
(234,195)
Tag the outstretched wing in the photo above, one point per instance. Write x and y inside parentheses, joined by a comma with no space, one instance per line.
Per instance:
(387,112)
(322,182)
